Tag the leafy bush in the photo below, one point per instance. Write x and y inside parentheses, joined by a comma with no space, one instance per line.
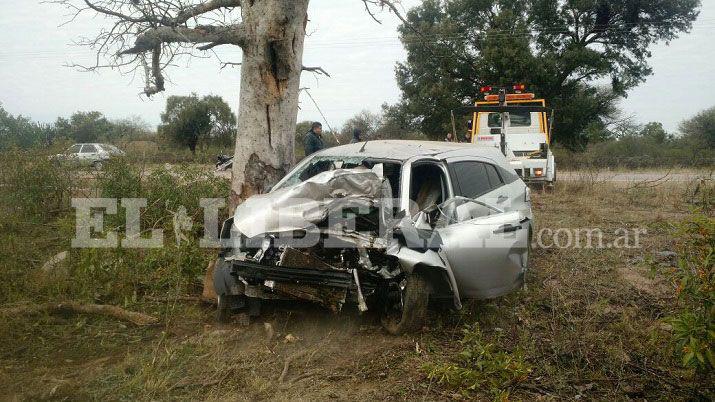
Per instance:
(694,277)
(34,187)
(38,222)
(481,365)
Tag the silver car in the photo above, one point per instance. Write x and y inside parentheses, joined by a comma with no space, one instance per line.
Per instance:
(384,225)
(93,154)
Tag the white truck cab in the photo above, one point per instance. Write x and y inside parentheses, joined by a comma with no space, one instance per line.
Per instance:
(526,133)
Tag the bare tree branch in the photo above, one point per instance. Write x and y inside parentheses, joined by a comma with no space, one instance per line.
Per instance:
(151,38)
(156,32)
(204,8)
(162,30)
(382,4)
(154,74)
(316,70)
(228,63)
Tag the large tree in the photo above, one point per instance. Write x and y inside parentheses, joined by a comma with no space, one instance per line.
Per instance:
(561,49)
(150,34)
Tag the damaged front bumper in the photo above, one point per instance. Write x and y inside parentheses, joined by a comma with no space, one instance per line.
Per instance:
(360,265)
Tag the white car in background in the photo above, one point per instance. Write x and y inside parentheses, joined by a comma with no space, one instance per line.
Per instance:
(91,154)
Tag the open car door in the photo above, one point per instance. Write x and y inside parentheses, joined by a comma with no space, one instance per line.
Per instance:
(488,254)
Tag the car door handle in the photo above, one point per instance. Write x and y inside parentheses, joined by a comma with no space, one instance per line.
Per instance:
(508,228)
(501,199)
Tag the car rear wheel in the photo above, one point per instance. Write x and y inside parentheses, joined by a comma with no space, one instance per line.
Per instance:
(97,165)
(409,312)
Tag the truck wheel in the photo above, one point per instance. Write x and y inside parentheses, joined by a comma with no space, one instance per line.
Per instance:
(409,312)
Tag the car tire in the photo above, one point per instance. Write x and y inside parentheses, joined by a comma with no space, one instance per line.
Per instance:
(529,247)
(97,165)
(410,312)
(223,309)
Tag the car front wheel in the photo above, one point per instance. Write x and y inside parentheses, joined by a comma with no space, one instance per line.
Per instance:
(407,311)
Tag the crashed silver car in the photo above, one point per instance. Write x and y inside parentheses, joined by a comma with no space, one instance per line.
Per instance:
(384,225)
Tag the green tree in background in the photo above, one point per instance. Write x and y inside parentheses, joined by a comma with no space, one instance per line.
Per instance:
(188,120)
(655,132)
(21,132)
(700,130)
(561,50)
(368,122)
(84,127)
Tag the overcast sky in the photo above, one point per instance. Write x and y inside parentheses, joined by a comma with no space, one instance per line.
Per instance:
(359,54)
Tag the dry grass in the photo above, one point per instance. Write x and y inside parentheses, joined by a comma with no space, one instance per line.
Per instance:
(589,325)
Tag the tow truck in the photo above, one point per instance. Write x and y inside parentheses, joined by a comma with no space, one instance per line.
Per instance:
(520,125)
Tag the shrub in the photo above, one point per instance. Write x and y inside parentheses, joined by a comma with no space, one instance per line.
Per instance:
(481,365)
(35,188)
(694,279)
(38,222)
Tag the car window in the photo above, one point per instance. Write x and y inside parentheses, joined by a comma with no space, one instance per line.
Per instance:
(74,149)
(88,148)
(509,176)
(471,179)
(494,180)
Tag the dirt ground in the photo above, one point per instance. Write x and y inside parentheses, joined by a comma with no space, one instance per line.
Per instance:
(588,325)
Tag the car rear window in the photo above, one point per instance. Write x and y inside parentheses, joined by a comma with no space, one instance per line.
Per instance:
(88,149)
(74,149)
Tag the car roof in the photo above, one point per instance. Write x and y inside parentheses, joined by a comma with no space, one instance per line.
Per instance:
(405,149)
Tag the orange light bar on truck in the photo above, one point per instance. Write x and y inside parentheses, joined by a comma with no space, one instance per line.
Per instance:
(520,87)
(509,97)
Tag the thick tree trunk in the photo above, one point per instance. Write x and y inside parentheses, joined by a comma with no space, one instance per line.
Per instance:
(270,80)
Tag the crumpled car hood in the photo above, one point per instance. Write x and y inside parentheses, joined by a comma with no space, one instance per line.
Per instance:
(301,206)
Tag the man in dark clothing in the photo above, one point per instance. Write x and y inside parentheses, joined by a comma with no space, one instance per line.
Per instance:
(356,136)
(313,141)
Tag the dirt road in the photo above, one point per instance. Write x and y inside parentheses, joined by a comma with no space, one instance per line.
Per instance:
(636,176)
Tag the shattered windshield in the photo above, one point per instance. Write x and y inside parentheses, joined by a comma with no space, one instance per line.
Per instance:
(321,164)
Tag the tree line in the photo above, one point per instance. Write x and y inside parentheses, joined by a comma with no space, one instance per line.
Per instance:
(22,132)
(186,122)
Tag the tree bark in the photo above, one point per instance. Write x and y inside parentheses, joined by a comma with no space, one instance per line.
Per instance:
(270,81)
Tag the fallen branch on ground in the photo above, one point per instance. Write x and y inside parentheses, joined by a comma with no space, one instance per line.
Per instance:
(167,299)
(119,313)
(286,365)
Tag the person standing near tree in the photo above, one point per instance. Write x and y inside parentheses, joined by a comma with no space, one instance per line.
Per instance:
(313,139)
